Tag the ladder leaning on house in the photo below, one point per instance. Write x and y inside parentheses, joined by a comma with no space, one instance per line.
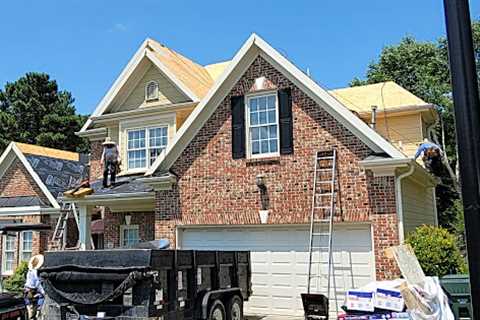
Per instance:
(321,220)
(59,238)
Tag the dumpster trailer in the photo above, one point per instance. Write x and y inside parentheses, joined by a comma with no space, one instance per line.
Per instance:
(146,284)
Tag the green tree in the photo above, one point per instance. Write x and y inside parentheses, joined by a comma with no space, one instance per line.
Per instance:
(16,282)
(437,251)
(33,110)
(423,69)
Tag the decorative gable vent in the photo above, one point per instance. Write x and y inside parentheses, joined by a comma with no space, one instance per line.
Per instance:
(151,91)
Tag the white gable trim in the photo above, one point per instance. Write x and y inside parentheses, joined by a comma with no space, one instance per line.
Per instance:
(142,52)
(253,47)
(6,160)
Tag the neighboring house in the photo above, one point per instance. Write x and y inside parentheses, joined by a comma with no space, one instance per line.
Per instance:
(195,138)
(31,180)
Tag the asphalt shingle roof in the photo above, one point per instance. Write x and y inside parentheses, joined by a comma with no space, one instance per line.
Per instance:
(24,201)
(58,175)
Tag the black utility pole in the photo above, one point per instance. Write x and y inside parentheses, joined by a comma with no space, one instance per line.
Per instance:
(467,122)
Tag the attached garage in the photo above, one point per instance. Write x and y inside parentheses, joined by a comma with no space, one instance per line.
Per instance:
(280,260)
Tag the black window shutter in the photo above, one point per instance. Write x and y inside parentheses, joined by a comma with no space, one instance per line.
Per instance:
(285,121)
(238,127)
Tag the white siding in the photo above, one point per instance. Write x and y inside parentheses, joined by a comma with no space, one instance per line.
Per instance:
(168,94)
(418,205)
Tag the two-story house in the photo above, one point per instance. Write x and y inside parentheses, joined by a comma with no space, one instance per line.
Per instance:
(195,139)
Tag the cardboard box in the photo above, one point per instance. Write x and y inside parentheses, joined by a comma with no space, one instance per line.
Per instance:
(360,300)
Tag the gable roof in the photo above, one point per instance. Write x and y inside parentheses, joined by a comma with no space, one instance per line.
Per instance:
(253,47)
(192,79)
(385,95)
(53,170)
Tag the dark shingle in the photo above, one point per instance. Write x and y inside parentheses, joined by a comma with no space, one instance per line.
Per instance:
(21,202)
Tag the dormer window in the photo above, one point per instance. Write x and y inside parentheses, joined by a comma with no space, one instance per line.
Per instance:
(151,91)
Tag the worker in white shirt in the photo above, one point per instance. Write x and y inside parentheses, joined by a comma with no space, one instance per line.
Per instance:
(34,294)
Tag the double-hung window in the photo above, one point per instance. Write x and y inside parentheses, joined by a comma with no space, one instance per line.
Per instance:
(8,253)
(26,245)
(144,145)
(262,125)
(129,236)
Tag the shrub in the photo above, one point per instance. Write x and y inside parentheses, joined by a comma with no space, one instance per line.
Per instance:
(437,251)
(16,282)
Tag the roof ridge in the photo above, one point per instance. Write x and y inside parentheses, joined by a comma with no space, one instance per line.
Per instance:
(34,149)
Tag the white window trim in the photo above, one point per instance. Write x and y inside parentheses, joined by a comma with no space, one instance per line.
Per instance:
(4,261)
(248,147)
(147,145)
(124,227)
(21,250)
(156,97)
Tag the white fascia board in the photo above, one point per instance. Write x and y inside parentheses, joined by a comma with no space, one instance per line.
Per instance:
(6,159)
(35,176)
(251,48)
(388,162)
(97,198)
(93,134)
(201,113)
(179,84)
(118,84)
(28,211)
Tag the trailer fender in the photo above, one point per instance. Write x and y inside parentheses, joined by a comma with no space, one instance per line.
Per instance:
(213,295)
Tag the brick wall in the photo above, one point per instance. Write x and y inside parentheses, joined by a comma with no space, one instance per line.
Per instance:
(39,243)
(17,182)
(215,189)
(96,167)
(113,221)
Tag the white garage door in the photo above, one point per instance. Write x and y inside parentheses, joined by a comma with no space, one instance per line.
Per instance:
(280,261)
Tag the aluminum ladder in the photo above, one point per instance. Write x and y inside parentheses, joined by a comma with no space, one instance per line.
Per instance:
(59,240)
(322,219)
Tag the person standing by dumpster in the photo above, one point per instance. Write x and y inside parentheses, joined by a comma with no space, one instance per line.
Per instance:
(34,294)
(111,161)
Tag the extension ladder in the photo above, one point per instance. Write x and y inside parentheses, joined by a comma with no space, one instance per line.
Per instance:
(59,240)
(322,218)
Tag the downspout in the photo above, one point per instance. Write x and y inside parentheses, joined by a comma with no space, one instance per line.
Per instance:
(398,188)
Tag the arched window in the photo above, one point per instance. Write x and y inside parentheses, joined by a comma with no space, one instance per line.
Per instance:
(151,91)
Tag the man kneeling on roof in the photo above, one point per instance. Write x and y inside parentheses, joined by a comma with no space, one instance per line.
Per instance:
(111,161)
(432,156)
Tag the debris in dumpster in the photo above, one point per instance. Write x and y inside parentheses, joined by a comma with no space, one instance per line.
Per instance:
(416,297)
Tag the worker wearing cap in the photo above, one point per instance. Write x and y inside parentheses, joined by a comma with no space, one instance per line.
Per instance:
(110,160)
(34,293)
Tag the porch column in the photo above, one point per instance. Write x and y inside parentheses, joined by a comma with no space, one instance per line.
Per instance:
(85,223)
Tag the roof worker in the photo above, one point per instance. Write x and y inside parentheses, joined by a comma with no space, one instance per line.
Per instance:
(34,295)
(111,161)
(432,156)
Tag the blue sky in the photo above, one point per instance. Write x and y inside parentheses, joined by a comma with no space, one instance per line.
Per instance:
(85,44)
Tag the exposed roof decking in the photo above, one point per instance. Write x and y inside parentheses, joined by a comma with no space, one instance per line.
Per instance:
(385,95)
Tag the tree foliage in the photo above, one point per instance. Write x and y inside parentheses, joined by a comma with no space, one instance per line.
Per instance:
(437,251)
(423,69)
(16,281)
(33,110)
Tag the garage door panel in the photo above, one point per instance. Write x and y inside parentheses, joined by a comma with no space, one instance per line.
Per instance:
(279,257)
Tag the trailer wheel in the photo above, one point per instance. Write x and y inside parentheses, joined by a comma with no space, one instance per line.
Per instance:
(217,311)
(235,308)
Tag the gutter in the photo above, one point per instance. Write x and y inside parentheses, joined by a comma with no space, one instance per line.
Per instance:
(398,189)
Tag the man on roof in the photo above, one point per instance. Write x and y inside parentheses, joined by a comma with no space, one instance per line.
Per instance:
(432,156)
(111,161)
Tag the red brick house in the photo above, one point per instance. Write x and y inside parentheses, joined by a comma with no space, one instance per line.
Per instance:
(32,178)
(194,139)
